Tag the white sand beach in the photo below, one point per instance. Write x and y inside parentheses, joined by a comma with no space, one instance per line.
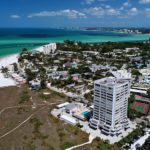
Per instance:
(14,58)
(5,82)
(39,49)
(8,60)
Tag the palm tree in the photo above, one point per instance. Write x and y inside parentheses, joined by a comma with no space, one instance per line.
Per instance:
(5,71)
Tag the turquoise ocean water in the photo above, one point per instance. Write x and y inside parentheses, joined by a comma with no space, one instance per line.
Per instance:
(13,40)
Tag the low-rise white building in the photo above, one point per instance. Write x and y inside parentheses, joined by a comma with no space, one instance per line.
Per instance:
(90,53)
(122,74)
(136,49)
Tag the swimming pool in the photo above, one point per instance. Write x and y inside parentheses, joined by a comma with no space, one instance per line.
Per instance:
(86,114)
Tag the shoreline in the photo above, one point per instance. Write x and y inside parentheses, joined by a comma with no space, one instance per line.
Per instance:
(13,58)
(8,60)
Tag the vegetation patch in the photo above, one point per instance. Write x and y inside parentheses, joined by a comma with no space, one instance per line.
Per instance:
(31,146)
(129,139)
(44,96)
(66,145)
(25,97)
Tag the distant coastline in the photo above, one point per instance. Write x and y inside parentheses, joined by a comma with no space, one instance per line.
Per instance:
(121,30)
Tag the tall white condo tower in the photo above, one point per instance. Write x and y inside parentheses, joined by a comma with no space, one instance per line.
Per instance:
(110,105)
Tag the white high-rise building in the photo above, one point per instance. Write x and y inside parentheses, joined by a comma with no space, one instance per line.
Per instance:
(49,48)
(110,105)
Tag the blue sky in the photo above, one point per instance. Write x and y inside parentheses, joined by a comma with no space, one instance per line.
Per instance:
(75,13)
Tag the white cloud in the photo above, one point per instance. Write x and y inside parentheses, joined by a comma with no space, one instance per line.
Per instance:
(107,6)
(147,11)
(66,13)
(102,11)
(144,1)
(129,13)
(95,11)
(127,4)
(112,12)
(133,11)
(15,16)
(89,1)
(102,0)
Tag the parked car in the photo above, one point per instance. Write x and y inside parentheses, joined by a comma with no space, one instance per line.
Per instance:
(58,115)
(80,126)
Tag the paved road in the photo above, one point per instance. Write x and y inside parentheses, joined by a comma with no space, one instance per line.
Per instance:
(69,94)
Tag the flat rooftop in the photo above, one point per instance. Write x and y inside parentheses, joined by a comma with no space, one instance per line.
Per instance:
(110,81)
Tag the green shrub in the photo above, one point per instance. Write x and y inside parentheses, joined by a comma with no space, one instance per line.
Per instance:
(66,145)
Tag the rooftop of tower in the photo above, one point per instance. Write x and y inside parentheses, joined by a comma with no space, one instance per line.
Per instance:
(110,81)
